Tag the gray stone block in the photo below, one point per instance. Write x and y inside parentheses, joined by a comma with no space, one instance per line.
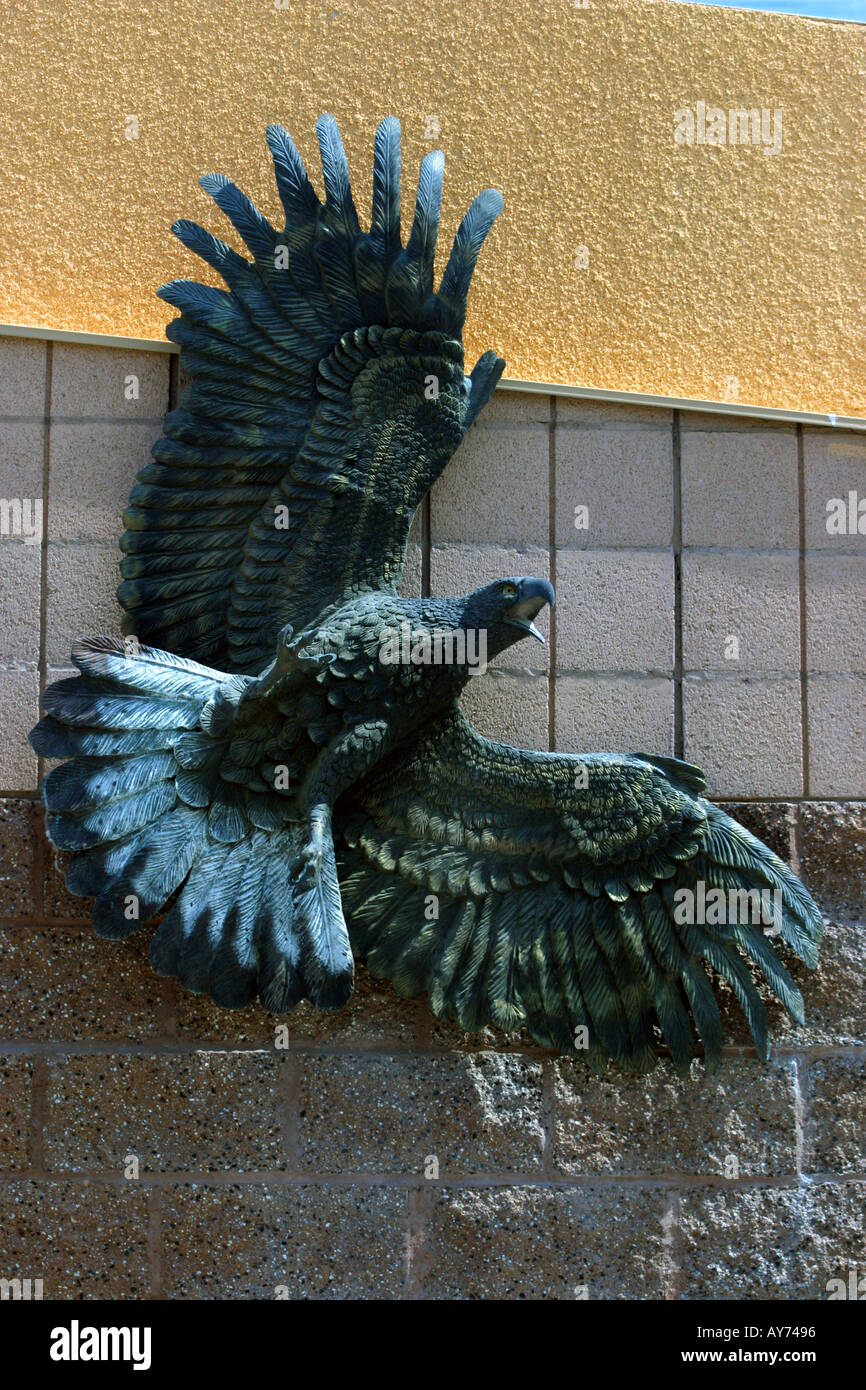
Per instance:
(746,734)
(739,488)
(745,605)
(836,614)
(19,700)
(22,376)
(624,477)
(662,1124)
(21,470)
(834,466)
(93,468)
(837,735)
(495,489)
(508,707)
(615,610)
(614,714)
(82,583)
(109,382)
(21,570)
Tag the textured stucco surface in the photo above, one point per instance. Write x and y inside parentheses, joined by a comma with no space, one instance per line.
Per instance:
(712,273)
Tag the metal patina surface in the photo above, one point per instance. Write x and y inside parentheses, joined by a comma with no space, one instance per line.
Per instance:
(276,754)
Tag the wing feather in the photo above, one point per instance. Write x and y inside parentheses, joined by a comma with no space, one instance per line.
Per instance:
(560,907)
(307,437)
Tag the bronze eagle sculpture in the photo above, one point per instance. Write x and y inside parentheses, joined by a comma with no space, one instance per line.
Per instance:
(247,762)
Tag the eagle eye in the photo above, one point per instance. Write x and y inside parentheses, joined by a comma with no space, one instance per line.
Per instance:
(509,591)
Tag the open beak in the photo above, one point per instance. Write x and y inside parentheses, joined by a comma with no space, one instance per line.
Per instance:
(534,594)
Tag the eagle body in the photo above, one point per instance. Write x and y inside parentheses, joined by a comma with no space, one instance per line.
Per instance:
(274,765)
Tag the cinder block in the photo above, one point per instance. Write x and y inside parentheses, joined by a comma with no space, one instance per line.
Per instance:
(21,825)
(63,984)
(210,1112)
(836,614)
(374,1016)
(837,735)
(460,569)
(571,411)
(82,586)
(93,468)
(495,489)
(83,1240)
(509,708)
(471,1113)
(741,612)
(615,610)
(833,855)
(512,1243)
(624,477)
(739,1122)
(22,459)
(834,467)
(828,1262)
(833,995)
(410,585)
(515,408)
(19,612)
(738,1243)
(835,1134)
(745,733)
(16,1076)
(22,376)
(769,1243)
(112,383)
(19,700)
(269,1241)
(614,714)
(739,488)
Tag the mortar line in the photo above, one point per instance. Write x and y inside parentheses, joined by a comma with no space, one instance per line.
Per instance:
(416,1235)
(43,547)
(159,1046)
(154,1241)
(676,445)
(38,1109)
(548,1118)
(551,544)
(408,1181)
(426,524)
(672,1257)
(801,562)
(290,1120)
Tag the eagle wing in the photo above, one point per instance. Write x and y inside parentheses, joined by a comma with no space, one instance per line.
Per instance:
(543,890)
(327,394)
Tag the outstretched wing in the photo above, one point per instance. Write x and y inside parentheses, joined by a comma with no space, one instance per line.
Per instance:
(544,891)
(327,394)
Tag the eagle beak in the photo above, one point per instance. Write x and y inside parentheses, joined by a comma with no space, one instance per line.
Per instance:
(534,594)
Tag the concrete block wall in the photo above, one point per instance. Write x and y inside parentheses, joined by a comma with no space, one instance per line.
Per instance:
(703,608)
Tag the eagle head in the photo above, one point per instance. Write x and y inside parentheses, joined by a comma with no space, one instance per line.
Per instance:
(506,610)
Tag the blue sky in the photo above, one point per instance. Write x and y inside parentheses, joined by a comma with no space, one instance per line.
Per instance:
(822,9)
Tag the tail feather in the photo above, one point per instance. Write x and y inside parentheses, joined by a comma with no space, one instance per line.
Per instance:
(150,816)
(327,956)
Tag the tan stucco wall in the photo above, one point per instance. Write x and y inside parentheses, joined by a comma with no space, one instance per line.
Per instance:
(712,272)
